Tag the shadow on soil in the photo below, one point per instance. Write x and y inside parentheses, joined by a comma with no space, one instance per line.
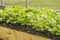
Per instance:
(1,39)
(30,30)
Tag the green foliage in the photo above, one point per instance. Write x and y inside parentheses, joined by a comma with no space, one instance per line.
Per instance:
(39,18)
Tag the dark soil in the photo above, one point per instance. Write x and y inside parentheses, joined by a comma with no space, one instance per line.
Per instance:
(29,29)
(1,39)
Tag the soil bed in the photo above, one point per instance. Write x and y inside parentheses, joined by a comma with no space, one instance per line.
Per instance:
(30,30)
(10,34)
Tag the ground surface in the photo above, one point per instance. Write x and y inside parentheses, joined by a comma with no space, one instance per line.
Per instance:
(10,34)
(54,4)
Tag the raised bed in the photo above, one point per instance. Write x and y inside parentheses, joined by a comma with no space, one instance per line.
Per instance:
(38,21)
